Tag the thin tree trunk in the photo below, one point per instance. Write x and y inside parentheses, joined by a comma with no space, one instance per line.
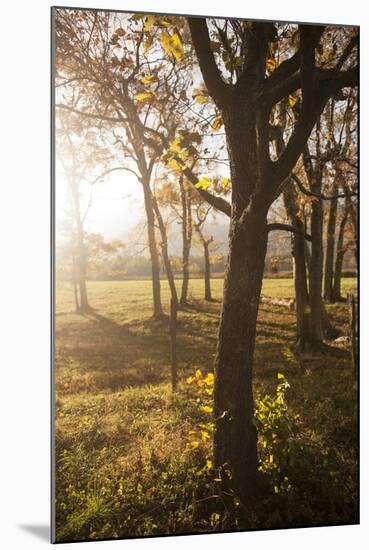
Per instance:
(74,282)
(341,250)
(353,215)
(329,258)
(316,273)
(173,345)
(186,241)
(155,267)
(207,271)
(81,252)
(165,254)
(299,271)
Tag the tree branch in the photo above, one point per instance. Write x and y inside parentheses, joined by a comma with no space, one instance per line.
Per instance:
(214,82)
(89,115)
(305,191)
(286,227)
(329,82)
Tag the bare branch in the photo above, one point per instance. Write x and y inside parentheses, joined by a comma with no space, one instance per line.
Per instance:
(286,227)
(214,82)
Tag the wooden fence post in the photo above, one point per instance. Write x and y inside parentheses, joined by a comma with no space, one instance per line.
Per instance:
(173,337)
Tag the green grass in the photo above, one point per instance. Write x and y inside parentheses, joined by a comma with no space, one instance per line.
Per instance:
(122,468)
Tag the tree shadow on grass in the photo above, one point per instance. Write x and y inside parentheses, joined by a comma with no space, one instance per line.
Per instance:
(101,354)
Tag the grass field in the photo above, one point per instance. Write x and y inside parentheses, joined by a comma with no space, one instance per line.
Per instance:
(122,437)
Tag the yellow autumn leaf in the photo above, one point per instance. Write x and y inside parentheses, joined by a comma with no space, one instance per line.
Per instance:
(165,42)
(172,45)
(165,23)
(280,376)
(207,409)
(270,65)
(205,436)
(145,97)
(176,145)
(173,164)
(148,79)
(209,380)
(225,182)
(191,446)
(176,46)
(148,43)
(292,100)
(217,123)
(201,99)
(149,22)
(209,464)
(203,184)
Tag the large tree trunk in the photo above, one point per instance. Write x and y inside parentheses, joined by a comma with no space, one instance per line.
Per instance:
(256,182)
(155,267)
(341,250)
(165,254)
(329,258)
(235,441)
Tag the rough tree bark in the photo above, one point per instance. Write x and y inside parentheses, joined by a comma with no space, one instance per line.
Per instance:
(341,250)
(320,324)
(256,182)
(303,338)
(290,198)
